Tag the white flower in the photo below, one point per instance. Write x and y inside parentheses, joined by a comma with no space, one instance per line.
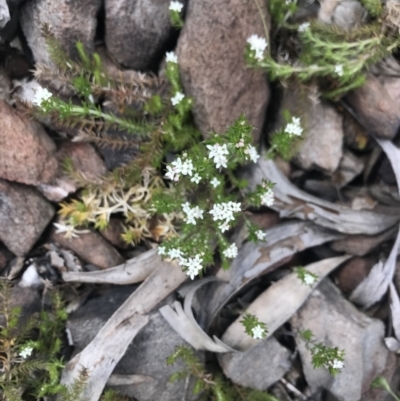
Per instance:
(69,230)
(41,95)
(178,167)
(231,252)
(267,198)
(175,6)
(218,153)
(177,98)
(294,127)
(339,70)
(196,178)
(192,213)
(251,151)
(257,44)
(258,332)
(26,352)
(303,27)
(194,265)
(336,364)
(260,235)
(309,279)
(224,212)
(171,57)
(175,253)
(215,182)
(161,250)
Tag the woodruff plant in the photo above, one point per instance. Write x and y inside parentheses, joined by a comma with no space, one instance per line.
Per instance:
(190,203)
(336,58)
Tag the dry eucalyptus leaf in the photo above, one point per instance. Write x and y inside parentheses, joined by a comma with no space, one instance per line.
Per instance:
(278,303)
(292,202)
(132,271)
(102,355)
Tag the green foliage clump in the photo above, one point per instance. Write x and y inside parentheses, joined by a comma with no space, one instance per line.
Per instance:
(323,356)
(211,387)
(253,327)
(381,382)
(30,349)
(336,59)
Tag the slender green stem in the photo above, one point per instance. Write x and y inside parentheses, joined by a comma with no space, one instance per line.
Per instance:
(266,30)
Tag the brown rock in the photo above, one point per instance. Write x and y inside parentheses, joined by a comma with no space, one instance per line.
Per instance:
(90,247)
(136,31)
(26,151)
(24,214)
(350,275)
(265,220)
(68,20)
(5,256)
(213,70)
(113,233)
(355,136)
(375,109)
(85,161)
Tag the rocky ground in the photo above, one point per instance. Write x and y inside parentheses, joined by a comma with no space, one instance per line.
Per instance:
(336,209)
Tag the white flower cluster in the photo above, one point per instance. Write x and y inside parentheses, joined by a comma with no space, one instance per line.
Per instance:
(175,6)
(303,27)
(41,95)
(339,70)
(178,167)
(218,153)
(257,44)
(258,332)
(267,198)
(294,127)
(192,213)
(336,364)
(309,279)
(26,352)
(224,212)
(260,235)
(231,252)
(252,153)
(179,96)
(193,265)
(171,57)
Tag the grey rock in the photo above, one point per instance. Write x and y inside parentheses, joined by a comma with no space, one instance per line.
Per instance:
(24,214)
(146,355)
(137,31)
(212,66)
(259,367)
(68,20)
(335,322)
(321,124)
(345,13)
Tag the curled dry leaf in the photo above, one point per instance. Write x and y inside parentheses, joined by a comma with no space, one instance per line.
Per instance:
(395,310)
(184,323)
(375,285)
(292,202)
(132,271)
